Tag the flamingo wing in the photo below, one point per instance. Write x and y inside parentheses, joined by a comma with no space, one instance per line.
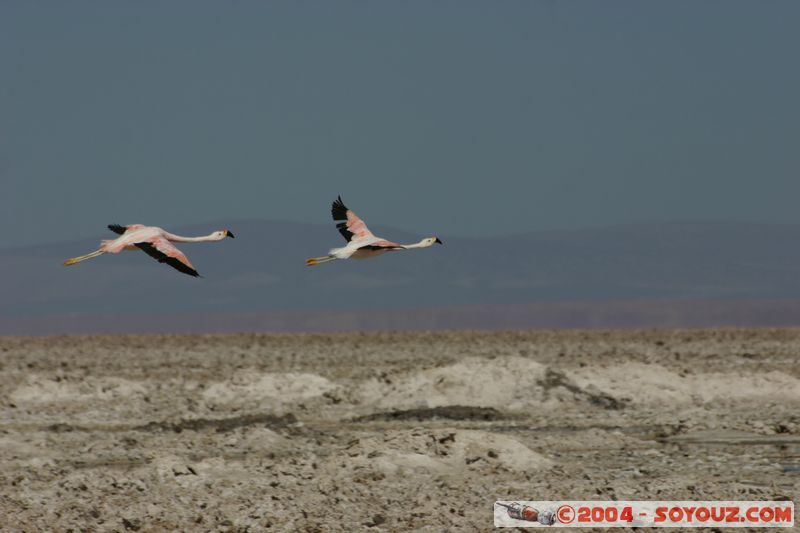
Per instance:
(383,245)
(163,251)
(353,227)
(120,230)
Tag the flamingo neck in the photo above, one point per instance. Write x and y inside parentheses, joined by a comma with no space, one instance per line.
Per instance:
(420,244)
(204,238)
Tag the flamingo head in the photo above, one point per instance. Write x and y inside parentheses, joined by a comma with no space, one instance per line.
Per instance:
(221,234)
(430,241)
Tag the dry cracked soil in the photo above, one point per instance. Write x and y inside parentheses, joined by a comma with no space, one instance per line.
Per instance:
(386,431)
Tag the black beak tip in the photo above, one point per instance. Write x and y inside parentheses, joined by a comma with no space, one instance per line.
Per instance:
(438,240)
(230,234)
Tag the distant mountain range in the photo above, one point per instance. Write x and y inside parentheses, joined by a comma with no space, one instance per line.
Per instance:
(631,275)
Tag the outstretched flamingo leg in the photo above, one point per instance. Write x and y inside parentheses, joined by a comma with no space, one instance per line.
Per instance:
(317,260)
(73,260)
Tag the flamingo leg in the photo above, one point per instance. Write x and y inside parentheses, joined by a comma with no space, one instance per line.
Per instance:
(318,260)
(73,260)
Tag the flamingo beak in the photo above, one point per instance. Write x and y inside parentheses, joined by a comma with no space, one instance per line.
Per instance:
(229,234)
(438,240)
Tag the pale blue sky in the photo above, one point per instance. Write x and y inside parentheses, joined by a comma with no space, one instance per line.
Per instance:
(456,117)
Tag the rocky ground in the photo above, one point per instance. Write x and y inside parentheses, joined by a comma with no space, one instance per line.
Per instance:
(386,431)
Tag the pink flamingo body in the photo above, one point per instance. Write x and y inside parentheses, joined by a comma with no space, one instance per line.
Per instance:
(361,242)
(154,241)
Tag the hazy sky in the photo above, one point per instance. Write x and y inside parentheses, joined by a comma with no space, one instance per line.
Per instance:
(440,117)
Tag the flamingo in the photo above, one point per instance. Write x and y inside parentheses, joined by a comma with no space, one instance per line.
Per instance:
(361,243)
(154,241)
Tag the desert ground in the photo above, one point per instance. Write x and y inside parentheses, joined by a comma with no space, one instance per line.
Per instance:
(386,431)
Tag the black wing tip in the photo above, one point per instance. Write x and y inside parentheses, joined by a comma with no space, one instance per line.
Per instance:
(118,228)
(180,267)
(338,209)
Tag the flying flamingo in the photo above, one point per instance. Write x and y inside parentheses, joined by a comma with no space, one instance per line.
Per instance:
(153,241)
(361,243)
